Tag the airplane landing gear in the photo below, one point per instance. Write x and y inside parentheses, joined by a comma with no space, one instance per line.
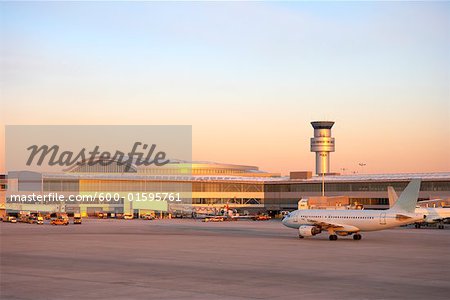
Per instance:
(417,225)
(440,226)
(333,237)
(301,236)
(357,236)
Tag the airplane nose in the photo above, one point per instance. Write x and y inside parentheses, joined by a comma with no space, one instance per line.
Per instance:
(284,221)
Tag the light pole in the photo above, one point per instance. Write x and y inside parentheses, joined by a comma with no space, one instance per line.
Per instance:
(323,184)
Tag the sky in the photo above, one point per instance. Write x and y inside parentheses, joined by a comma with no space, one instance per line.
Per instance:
(248,76)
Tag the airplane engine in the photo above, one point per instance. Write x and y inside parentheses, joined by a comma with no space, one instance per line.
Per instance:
(428,219)
(306,230)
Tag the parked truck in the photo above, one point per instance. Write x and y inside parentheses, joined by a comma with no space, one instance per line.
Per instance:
(60,219)
(76,218)
(40,220)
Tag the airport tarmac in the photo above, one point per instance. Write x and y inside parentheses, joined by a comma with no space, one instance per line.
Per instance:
(187,259)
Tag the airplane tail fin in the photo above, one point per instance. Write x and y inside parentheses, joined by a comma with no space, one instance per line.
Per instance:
(392,195)
(408,199)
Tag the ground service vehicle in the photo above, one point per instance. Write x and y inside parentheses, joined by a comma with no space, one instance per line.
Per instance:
(10,219)
(77,219)
(32,219)
(262,218)
(214,219)
(23,218)
(60,220)
(128,216)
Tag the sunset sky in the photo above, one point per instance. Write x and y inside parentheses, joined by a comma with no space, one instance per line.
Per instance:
(249,77)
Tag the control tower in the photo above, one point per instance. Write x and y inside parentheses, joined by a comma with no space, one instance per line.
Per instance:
(322,143)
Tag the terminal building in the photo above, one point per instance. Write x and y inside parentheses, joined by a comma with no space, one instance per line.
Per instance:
(206,187)
(203,186)
(215,185)
(369,190)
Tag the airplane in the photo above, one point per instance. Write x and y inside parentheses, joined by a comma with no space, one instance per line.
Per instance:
(228,214)
(432,214)
(352,222)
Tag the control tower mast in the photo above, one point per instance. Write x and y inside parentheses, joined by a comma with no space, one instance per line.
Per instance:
(322,143)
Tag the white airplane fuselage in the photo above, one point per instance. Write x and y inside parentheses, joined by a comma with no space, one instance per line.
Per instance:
(310,222)
(351,220)
(433,214)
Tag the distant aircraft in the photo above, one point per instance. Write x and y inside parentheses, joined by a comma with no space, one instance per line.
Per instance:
(352,222)
(432,214)
(228,214)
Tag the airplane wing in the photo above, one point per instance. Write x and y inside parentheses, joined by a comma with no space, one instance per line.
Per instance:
(336,226)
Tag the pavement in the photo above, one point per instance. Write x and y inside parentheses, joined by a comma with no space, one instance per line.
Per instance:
(188,259)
